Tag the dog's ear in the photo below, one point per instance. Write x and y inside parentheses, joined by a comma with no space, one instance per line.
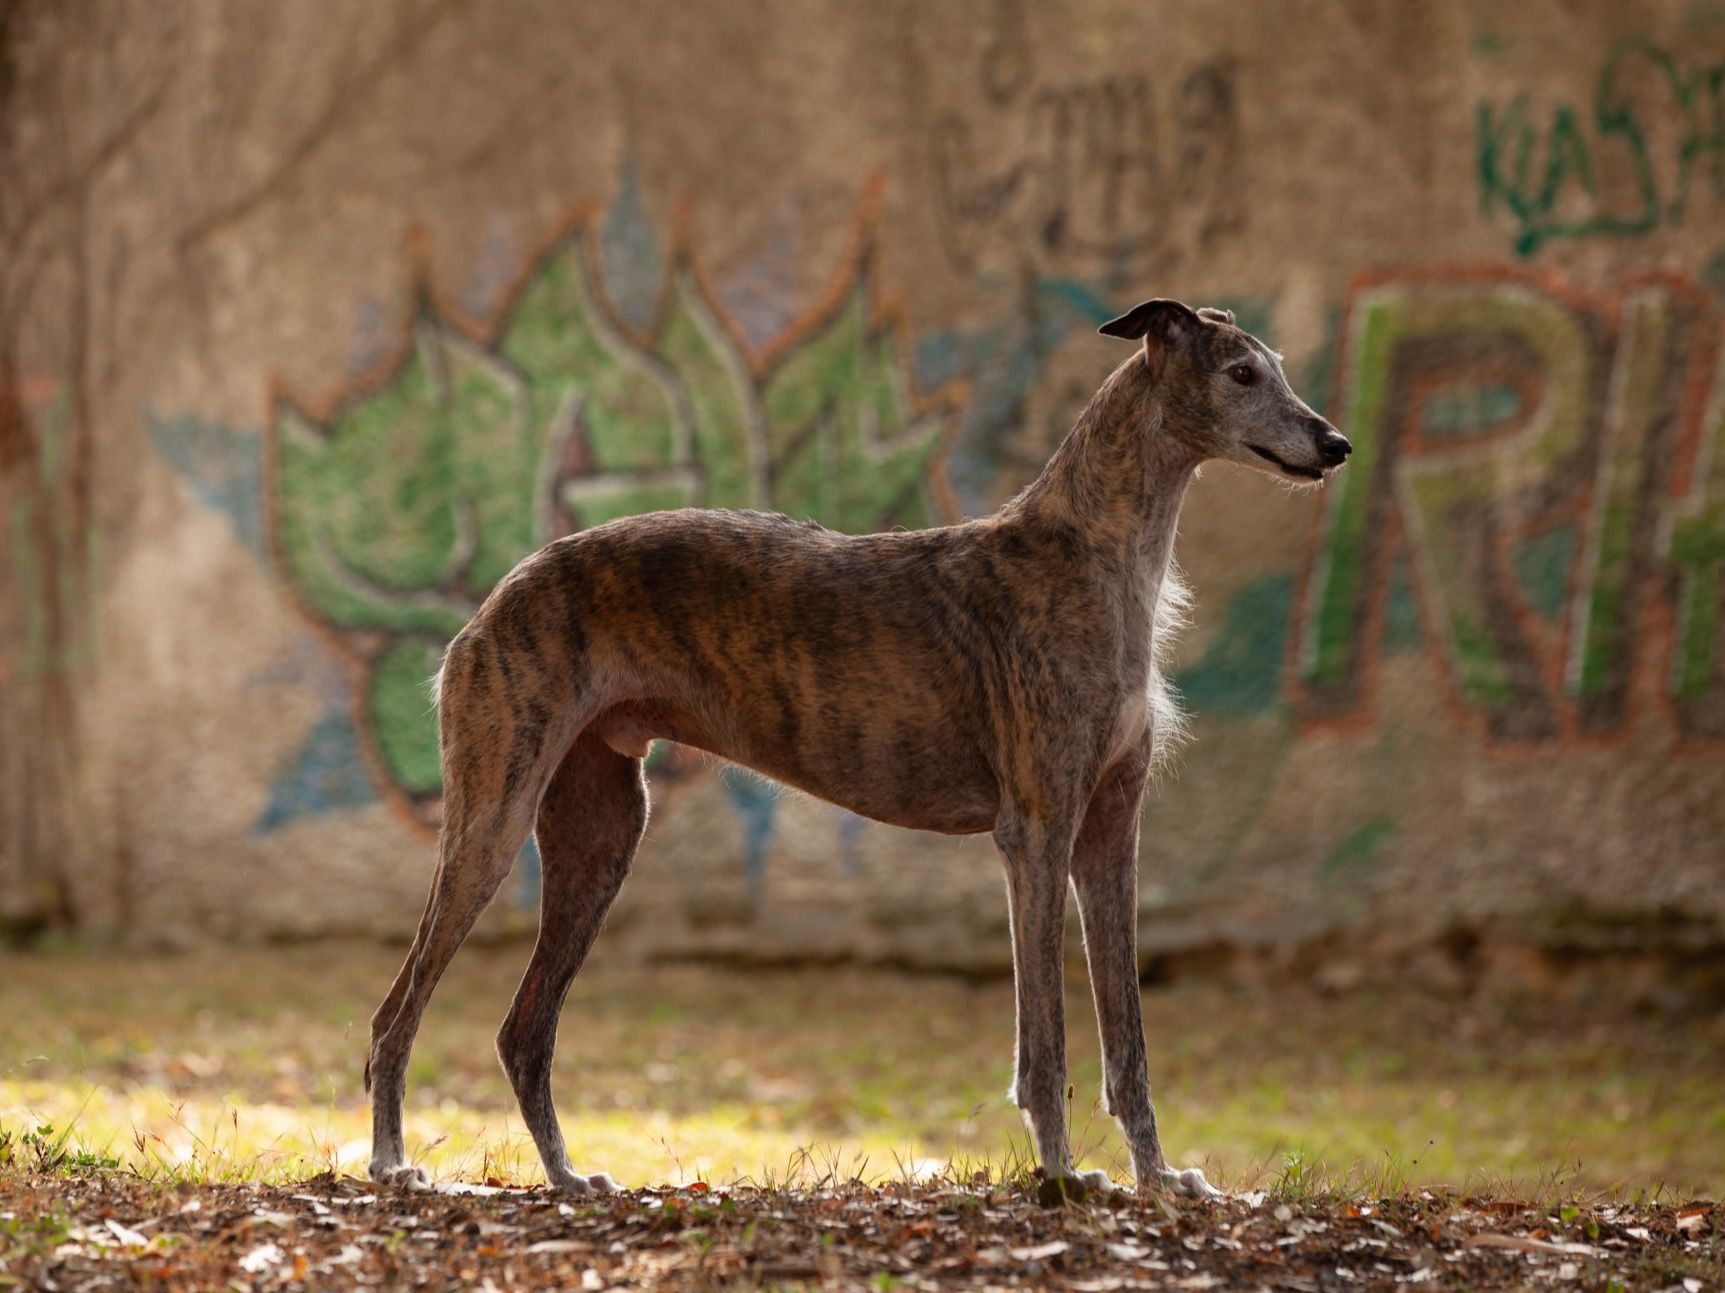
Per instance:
(1163,324)
(1211,314)
(1141,319)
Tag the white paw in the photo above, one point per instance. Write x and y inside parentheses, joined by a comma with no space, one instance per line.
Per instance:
(1190,1183)
(401,1176)
(1098,1181)
(573,1183)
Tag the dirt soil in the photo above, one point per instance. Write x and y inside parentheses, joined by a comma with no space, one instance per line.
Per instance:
(114,1230)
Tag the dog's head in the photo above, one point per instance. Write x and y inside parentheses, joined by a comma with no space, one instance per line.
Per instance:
(1224,393)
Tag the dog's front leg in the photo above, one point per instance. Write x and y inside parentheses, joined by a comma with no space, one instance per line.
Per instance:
(1105,877)
(1038,863)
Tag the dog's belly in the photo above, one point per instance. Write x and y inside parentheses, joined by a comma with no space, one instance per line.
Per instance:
(923,780)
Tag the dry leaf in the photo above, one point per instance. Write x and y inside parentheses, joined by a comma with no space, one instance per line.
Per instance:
(126,1235)
(1523,1244)
(1040,1253)
(262,1258)
(557,1246)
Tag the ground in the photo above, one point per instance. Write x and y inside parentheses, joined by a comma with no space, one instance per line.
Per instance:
(838,1127)
(107,1228)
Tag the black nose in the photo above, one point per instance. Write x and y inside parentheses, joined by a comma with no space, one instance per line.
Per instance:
(1334,449)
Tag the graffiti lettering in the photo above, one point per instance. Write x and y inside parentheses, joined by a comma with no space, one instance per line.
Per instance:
(1546,461)
(1626,169)
(1086,171)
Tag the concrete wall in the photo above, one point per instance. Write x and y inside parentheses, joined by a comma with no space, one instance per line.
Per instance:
(314,318)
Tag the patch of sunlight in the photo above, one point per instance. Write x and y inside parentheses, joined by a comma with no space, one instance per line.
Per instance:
(245,1064)
(168,1136)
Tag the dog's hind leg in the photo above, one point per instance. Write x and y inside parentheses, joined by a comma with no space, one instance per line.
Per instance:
(469,872)
(590,822)
(495,762)
(1105,877)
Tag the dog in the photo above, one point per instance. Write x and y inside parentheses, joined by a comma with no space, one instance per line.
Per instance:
(1002,675)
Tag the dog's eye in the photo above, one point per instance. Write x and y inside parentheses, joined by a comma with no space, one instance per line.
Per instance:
(1241,373)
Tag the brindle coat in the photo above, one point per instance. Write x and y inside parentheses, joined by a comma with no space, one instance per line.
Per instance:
(1002,675)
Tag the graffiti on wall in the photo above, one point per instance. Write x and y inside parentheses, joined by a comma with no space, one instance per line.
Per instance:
(1546,471)
(1099,171)
(55,561)
(1647,150)
(1537,499)
(393,508)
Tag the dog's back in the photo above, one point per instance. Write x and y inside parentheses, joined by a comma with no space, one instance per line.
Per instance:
(868,670)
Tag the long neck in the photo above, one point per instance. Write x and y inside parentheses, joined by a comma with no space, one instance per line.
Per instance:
(1119,477)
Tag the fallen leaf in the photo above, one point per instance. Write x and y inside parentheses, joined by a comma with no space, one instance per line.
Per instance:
(1040,1253)
(262,1258)
(557,1246)
(1523,1244)
(1692,1218)
(126,1235)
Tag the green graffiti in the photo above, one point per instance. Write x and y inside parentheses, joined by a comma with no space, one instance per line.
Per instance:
(406,506)
(1638,444)
(1340,582)
(1562,196)
(396,513)
(399,709)
(1356,856)
(1455,495)
(848,446)
(55,562)
(1522,449)
(1697,558)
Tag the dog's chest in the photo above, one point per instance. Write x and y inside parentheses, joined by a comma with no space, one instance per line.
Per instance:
(1133,716)
(1141,689)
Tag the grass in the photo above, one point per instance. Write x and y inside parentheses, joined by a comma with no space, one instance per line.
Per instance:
(244,1065)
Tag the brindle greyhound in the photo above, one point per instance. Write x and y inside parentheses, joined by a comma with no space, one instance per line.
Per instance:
(1002,675)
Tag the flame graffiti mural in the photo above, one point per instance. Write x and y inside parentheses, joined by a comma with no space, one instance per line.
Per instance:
(393,510)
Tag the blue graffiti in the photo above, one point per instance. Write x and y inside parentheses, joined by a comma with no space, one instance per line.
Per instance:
(756,803)
(326,774)
(1002,363)
(374,335)
(850,832)
(528,872)
(1241,672)
(495,270)
(629,252)
(763,295)
(221,465)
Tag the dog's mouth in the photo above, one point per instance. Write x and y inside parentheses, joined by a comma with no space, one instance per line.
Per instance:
(1287,468)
